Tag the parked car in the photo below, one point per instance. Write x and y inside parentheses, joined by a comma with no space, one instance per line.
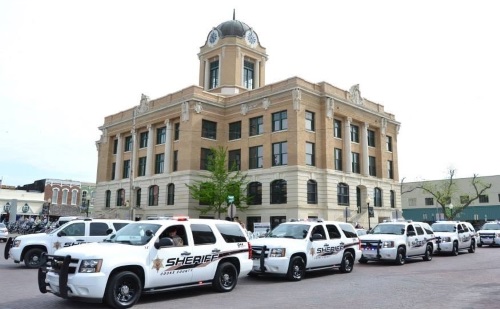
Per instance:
(454,236)
(4,232)
(489,234)
(361,232)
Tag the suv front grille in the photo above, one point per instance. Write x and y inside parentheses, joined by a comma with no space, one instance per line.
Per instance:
(257,252)
(55,263)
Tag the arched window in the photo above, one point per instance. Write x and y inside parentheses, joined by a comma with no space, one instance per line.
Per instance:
(74,195)
(138,193)
(254,193)
(377,196)
(65,196)
(153,196)
(55,195)
(312,192)
(107,202)
(120,197)
(393,199)
(278,191)
(170,194)
(343,194)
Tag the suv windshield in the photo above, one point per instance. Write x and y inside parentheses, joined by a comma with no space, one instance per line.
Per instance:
(295,231)
(443,227)
(396,229)
(136,234)
(491,226)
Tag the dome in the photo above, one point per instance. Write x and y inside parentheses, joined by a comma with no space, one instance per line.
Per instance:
(233,28)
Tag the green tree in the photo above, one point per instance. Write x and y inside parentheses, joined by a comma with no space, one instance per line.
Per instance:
(447,192)
(213,188)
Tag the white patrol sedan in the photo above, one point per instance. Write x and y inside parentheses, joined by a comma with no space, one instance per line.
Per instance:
(454,236)
(142,258)
(397,241)
(292,248)
(489,234)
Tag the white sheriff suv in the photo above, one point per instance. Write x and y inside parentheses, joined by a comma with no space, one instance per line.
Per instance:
(142,258)
(397,241)
(454,236)
(292,248)
(489,234)
(29,248)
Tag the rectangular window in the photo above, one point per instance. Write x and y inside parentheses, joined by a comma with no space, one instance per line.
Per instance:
(142,166)
(464,199)
(256,157)
(235,130)
(309,121)
(337,128)
(354,133)
(115,146)
(280,121)
(209,129)
(310,158)
(484,199)
(248,74)
(159,163)
(390,172)
(204,158)
(429,201)
(161,135)
(371,138)
(176,131)
(113,170)
(144,140)
(128,143)
(372,166)
(355,163)
(280,154)
(256,126)
(338,159)
(234,160)
(388,143)
(126,169)
(412,202)
(176,154)
(214,74)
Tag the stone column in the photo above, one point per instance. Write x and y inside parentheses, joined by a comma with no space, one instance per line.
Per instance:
(347,146)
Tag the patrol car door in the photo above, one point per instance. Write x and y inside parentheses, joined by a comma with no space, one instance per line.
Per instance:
(71,234)
(414,241)
(464,236)
(335,244)
(318,253)
(205,252)
(170,265)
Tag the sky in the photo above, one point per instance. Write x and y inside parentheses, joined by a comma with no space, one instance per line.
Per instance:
(65,65)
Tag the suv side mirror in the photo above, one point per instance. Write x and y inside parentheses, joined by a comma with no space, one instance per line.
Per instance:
(410,233)
(164,242)
(109,231)
(316,237)
(61,233)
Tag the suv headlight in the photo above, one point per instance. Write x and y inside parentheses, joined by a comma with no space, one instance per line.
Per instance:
(277,252)
(90,266)
(16,243)
(445,239)
(387,244)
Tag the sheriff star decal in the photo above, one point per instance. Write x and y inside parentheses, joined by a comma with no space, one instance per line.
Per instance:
(157,264)
(312,251)
(57,245)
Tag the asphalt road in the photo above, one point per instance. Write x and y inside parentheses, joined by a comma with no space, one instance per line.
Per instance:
(460,282)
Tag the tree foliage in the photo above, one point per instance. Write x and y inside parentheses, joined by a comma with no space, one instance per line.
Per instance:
(447,192)
(213,189)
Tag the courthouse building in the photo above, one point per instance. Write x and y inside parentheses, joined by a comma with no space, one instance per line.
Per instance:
(309,149)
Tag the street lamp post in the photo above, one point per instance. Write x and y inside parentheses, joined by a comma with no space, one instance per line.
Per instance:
(368,201)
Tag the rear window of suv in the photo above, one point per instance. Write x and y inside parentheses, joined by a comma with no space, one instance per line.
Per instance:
(349,230)
(231,233)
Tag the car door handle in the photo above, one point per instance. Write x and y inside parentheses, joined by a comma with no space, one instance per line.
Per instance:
(186,253)
(216,250)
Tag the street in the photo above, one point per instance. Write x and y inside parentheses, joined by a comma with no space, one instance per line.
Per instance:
(459,282)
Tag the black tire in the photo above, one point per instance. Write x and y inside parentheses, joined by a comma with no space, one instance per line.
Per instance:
(428,253)
(225,278)
(363,260)
(472,247)
(347,263)
(400,256)
(454,250)
(296,269)
(33,258)
(123,290)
